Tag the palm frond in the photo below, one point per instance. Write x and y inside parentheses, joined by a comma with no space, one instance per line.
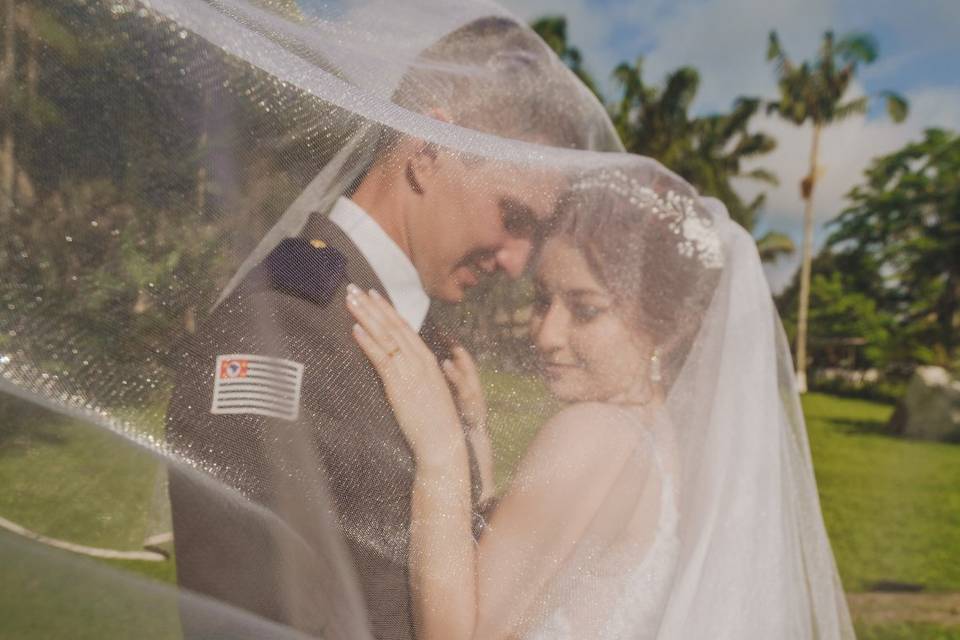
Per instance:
(763,175)
(775,50)
(858,106)
(897,106)
(773,245)
(857,48)
(681,88)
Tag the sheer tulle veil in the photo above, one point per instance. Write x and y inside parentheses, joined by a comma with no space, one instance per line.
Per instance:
(178,237)
(755,559)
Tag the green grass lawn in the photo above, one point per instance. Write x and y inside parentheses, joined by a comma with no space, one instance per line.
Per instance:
(892,506)
(81,484)
(907,631)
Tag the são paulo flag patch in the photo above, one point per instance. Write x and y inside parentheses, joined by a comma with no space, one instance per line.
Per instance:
(261,385)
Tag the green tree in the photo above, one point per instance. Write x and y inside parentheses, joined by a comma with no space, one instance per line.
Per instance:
(816,93)
(137,188)
(8,69)
(553,30)
(847,311)
(26,115)
(907,216)
(708,151)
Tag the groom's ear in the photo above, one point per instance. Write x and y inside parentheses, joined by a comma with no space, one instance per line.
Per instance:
(421,166)
(424,162)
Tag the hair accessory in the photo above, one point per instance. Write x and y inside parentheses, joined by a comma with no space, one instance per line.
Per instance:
(697,236)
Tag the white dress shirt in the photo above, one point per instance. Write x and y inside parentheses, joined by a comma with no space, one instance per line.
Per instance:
(388,261)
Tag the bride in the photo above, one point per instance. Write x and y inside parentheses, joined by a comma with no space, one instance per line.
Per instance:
(608,529)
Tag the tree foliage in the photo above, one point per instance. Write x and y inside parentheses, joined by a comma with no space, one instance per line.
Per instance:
(127,182)
(847,312)
(553,30)
(816,92)
(708,151)
(906,215)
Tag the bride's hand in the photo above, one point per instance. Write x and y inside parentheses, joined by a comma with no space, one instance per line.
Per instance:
(463,376)
(412,379)
(462,373)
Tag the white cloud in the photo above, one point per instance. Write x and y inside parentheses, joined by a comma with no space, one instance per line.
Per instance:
(845,152)
(725,40)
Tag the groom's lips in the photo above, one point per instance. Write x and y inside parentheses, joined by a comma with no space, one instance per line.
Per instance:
(467,277)
(554,369)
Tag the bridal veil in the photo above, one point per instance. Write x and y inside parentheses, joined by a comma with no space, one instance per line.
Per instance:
(165,148)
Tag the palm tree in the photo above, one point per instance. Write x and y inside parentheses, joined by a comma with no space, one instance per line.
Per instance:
(657,123)
(814,92)
(707,151)
(553,30)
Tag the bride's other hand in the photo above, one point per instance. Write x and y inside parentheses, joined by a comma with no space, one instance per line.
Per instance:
(412,379)
(463,375)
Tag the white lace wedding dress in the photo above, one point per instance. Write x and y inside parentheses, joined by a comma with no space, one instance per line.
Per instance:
(620,591)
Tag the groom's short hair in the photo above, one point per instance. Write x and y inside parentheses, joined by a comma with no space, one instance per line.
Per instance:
(498,76)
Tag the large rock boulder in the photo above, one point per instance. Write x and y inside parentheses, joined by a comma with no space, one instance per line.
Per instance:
(930,409)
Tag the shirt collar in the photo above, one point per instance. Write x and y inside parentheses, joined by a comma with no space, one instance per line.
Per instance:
(388,261)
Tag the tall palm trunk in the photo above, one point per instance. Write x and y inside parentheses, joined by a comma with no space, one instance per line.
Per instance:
(7,79)
(807,252)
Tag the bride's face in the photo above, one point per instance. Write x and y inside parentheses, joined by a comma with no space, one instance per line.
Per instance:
(587,351)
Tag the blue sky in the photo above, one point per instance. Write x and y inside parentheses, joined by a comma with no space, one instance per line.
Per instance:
(725,40)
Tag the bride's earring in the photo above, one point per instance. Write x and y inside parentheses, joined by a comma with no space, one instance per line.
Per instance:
(655,375)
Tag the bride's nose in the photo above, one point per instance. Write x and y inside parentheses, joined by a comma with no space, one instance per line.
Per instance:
(550,329)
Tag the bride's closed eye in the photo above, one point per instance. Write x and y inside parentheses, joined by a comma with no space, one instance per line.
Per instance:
(586,305)
(583,306)
(585,313)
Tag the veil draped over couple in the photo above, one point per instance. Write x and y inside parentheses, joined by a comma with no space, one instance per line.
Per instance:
(332,469)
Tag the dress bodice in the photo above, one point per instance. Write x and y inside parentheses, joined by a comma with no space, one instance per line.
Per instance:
(618,592)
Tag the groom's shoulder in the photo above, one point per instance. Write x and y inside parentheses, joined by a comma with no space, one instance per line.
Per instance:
(289,300)
(305,269)
(300,277)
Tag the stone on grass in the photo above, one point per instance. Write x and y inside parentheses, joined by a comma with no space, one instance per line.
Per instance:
(930,409)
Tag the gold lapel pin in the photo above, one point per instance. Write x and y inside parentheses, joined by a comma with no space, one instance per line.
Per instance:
(318,244)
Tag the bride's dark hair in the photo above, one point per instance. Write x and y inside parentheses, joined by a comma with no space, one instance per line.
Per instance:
(652,244)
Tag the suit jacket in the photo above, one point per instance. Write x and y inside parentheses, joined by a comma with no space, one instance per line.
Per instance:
(325,497)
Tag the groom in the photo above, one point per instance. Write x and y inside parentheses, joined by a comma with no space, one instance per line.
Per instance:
(274,398)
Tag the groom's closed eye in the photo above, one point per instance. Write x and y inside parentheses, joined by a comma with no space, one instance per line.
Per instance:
(519,220)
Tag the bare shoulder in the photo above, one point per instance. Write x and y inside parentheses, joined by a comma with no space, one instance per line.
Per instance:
(590,434)
(597,421)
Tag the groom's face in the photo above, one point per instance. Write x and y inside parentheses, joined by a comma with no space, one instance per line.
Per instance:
(477,217)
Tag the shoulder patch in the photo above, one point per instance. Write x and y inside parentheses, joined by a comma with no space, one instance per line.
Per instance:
(246,383)
(308,269)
